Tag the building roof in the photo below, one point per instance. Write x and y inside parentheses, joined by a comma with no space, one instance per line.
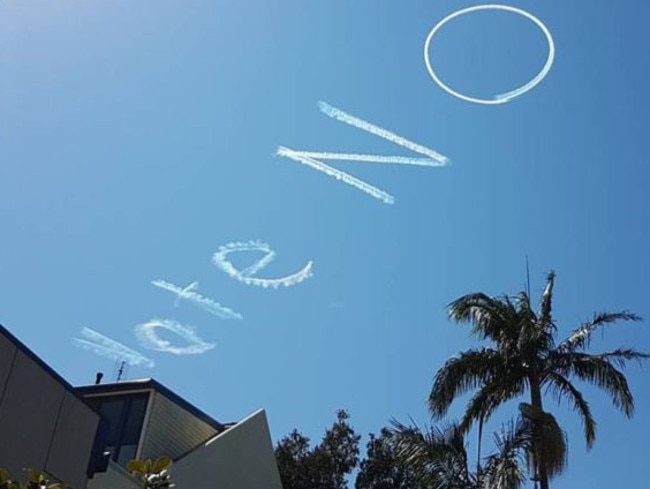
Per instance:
(154,385)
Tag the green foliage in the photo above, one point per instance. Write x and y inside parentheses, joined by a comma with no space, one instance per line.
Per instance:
(150,474)
(34,480)
(4,477)
(409,457)
(437,456)
(324,466)
(382,468)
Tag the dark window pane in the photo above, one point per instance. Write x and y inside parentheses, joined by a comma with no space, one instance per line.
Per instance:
(127,452)
(124,415)
(112,410)
(135,417)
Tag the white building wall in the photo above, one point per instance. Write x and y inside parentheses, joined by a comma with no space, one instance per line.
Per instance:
(242,457)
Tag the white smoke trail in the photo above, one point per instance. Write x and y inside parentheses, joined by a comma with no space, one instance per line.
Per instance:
(398,160)
(197,299)
(246,276)
(338,174)
(106,347)
(275,283)
(339,115)
(503,97)
(250,246)
(148,337)
(312,158)
(508,96)
(190,288)
(219,258)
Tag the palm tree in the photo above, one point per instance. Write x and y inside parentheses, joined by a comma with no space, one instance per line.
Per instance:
(438,456)
(503,469)
(523,356)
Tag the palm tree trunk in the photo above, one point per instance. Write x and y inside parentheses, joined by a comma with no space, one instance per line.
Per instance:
(478,456)
(536,400)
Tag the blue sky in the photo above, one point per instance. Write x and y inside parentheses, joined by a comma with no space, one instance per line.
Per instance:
(138,137)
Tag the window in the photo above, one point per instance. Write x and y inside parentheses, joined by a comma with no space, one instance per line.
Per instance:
(125,415)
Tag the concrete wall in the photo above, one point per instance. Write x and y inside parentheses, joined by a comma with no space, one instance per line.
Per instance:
(240,458)
(43,425)
(72,442)
(115,477)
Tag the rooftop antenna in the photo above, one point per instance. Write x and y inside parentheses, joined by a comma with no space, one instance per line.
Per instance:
(121,367)
(527,278)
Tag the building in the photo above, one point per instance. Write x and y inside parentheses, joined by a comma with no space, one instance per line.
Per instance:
(84,436)
(146,420)
(44,422)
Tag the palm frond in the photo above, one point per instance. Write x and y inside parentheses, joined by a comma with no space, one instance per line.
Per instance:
(622,355)
(546,303)
(490,396)
(563,388)
(488,315)
(523,303)
(504,469)
(597,371)
(581,336)
(461,374)
(437,456)
(527,322)
(535,337)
